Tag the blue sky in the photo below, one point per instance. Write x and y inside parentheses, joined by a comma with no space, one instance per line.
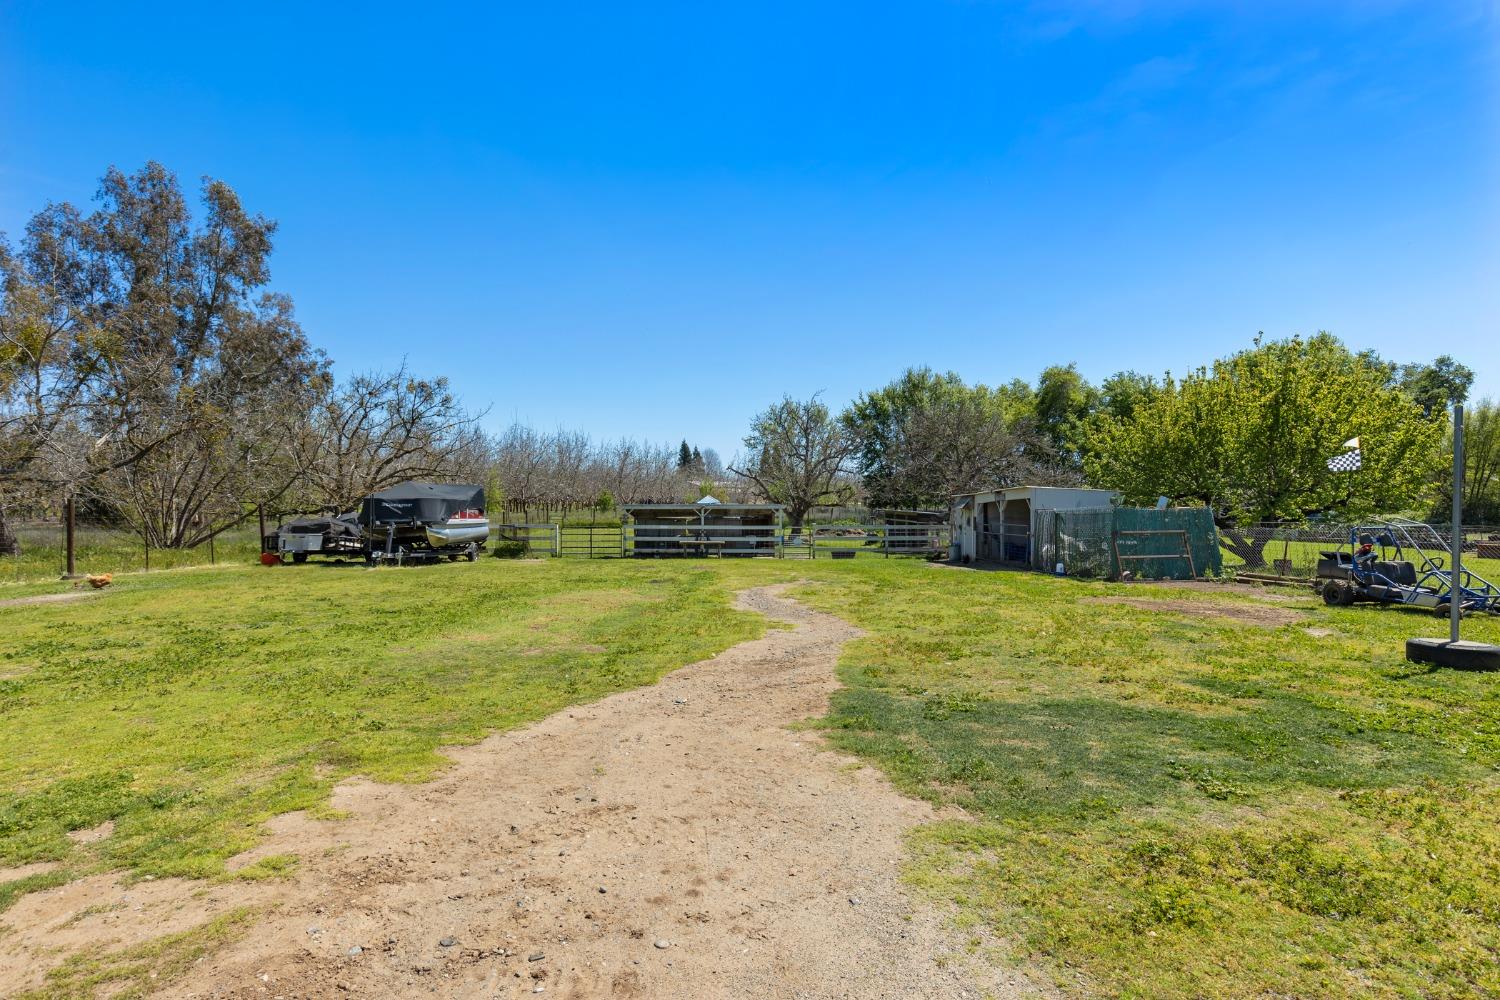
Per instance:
(651,220)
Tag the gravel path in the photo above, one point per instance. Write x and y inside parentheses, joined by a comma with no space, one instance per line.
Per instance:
(673,841)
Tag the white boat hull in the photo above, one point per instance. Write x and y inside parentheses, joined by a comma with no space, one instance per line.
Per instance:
(459,531)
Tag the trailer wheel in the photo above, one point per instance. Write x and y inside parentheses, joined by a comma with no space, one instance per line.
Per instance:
(299,557)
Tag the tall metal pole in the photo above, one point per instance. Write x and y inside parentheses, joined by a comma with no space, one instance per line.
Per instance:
(1455,600)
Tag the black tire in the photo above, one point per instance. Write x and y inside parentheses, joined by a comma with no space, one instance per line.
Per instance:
(1337,594)
(472,556)
(1464,656)
(299,557)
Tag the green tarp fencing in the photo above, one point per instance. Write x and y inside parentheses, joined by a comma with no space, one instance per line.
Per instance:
(1150,543)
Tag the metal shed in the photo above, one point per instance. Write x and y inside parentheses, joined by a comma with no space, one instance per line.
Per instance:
(998,525)
(702,528)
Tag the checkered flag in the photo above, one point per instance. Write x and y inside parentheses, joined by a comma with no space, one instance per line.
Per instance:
(1349,461)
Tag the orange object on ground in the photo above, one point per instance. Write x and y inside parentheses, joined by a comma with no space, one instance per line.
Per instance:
(270,559)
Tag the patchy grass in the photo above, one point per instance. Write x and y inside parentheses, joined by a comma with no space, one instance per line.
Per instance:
(15,888)
(190,708)
(1158,802)
(142,969)
(1171,805)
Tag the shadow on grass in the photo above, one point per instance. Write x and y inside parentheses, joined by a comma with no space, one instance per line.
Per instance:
(1078,760)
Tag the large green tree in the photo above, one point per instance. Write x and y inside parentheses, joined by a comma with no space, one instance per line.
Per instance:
(143,359)
(1064,401)
(1481,468)
(1250,437)
(1435,386)
(1482,463)
(928,435)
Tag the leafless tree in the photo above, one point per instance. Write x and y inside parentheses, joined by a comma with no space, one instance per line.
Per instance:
(958,443)
(800,456)
(379,429)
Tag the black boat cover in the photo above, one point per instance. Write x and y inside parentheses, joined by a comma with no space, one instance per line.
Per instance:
(420,503)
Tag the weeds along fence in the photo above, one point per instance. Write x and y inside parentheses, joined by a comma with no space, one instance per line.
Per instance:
(1281,550)
(111,549)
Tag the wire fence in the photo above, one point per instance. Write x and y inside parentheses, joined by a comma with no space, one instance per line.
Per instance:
(112,549)
(1281,550)
(1275,550)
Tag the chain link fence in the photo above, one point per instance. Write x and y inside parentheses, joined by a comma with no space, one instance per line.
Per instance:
(1282,550)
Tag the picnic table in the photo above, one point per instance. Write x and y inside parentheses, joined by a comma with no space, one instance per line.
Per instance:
(704,545)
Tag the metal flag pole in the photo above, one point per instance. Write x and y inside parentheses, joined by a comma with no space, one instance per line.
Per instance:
(1453,652)
(1456,592)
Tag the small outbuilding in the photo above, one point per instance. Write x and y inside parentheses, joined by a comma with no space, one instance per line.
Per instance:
(702,528)
(998,525)
(1083,532)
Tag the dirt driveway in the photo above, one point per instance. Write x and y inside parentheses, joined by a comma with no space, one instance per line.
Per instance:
(674,841)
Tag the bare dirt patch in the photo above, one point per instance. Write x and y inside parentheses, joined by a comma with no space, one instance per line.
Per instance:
(63,598)
(673,841)
(1279,594)
(93,834)
(18,872)
(1250,614)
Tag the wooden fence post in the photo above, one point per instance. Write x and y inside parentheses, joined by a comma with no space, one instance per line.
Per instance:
(72,569)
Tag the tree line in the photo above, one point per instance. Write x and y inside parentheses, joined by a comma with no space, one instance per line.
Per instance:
(1248,436)
(148,370)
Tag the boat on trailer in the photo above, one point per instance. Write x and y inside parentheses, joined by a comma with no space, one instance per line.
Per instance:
(423,521)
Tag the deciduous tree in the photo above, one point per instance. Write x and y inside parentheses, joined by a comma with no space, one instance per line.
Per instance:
(383,428)
(140,330)
(1250,438)
(800,456)
(927,435)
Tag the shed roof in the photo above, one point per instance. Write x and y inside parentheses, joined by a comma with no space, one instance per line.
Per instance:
(697,504)
(1012,489)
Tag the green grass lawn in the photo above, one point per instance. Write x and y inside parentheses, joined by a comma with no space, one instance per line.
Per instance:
(1164,804)
(1156,803)
(190,707)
